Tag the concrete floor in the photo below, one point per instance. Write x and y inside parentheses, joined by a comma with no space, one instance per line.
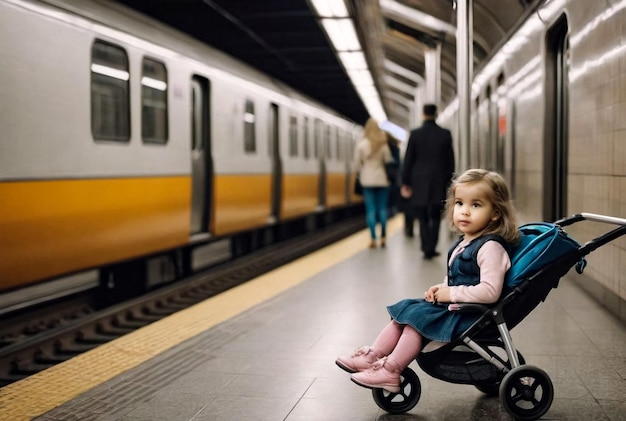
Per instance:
(276,360)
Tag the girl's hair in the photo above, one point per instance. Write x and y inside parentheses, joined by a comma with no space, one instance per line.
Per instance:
(498,194)
(375,134)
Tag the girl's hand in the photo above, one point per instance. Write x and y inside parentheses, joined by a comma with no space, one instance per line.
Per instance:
(442,295)
(406,191)
(430,294)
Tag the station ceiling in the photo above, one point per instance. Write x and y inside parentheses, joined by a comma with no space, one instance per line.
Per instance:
(284,39)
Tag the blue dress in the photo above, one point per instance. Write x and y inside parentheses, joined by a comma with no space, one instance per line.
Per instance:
(435,321)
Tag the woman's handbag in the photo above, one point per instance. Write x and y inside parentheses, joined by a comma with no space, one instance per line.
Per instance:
(358,188)
(391,168)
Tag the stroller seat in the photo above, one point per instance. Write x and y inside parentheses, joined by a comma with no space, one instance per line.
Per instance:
(484,355)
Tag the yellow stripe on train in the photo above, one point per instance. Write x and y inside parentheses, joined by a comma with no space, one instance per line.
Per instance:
(55,227)
(48,228)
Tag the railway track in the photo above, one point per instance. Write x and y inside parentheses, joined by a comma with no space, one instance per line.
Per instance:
(62,331)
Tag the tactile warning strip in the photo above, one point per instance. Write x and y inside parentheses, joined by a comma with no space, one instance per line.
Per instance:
(44,391)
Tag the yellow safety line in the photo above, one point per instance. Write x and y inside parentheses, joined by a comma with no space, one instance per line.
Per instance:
(42,392)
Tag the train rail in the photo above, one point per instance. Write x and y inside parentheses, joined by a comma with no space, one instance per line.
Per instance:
(61,331)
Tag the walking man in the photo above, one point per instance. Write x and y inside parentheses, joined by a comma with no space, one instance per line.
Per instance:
(427,172)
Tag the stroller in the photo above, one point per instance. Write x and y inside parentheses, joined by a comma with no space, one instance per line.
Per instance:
(484,355)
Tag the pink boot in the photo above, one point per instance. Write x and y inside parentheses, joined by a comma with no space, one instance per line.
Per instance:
(362,359)
(384,374)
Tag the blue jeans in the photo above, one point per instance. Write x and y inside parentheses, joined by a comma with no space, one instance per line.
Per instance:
(376,201)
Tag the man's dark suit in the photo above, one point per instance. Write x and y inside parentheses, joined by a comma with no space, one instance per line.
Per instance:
(428,170)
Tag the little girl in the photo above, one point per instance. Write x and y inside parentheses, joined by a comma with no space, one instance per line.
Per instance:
(479,207)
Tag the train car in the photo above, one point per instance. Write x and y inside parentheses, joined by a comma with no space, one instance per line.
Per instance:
(129,151)
(546,111)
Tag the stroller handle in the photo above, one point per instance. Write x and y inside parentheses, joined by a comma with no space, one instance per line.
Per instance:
(601,240)
(590,217)
(603,218)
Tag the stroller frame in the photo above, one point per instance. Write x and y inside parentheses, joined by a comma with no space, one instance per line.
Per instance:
(525,391)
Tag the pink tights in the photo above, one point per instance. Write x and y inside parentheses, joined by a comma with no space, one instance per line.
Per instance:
(399,342)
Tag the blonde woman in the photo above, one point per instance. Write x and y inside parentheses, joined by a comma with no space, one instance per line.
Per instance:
(370,156)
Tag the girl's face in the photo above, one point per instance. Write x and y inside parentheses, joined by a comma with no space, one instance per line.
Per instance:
(472,209)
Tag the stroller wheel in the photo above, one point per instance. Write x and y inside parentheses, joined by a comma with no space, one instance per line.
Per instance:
(406,399)
(526,392)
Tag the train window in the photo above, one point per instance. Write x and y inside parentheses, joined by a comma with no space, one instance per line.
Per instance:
(327,143)
(349,147)
(339,144)
(249,138)
(110,93)
(293,136)
(305,137)
(154,127)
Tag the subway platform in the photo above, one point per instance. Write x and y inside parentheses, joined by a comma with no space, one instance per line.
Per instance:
(266,351)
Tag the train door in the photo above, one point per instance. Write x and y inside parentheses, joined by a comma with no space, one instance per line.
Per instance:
(556,136)
(201,160)
(276,163)
(344,145)
(319,140)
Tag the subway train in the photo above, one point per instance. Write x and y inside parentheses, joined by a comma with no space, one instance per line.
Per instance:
(132,154)
(547,111)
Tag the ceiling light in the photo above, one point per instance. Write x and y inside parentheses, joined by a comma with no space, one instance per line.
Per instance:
(361,77)
(353,60)
(367,91)
(340,29)
(330,8)
(374,107)
(342,34)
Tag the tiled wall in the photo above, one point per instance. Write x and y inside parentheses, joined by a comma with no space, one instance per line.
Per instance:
(597,134)
(596,158)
